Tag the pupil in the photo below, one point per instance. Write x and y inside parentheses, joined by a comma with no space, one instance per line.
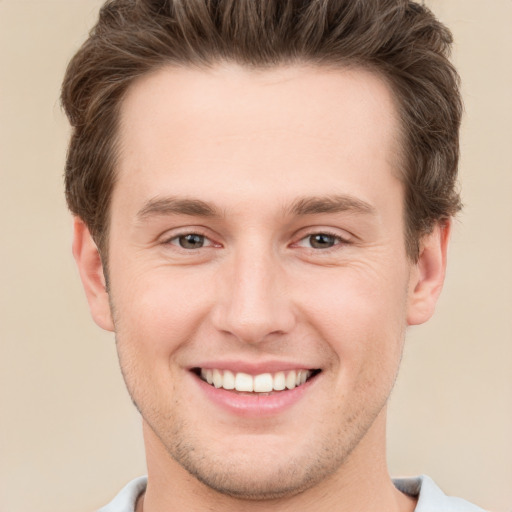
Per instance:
(191,241)
(321,241)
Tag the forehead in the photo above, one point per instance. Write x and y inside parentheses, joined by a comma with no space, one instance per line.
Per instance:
(279,129)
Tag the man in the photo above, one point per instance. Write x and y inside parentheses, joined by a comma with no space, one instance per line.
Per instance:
(262,194)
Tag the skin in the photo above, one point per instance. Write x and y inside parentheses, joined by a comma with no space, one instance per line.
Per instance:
(251,145)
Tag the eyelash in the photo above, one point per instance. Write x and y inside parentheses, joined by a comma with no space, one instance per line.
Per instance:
(337,241)
(175,240)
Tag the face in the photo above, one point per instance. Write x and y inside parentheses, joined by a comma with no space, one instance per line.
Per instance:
(259,284)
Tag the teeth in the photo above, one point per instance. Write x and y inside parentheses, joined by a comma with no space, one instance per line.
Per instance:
(262,383)
(279,381)
(244,382)
(207,375)
(217,379)
(229,380)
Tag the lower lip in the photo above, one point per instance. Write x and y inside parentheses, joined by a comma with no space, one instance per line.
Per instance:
(256,404)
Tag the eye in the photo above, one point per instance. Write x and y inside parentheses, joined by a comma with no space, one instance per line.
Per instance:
(191,241)
(320,241)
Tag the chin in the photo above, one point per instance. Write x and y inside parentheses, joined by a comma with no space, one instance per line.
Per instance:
(255,469)
(255,481)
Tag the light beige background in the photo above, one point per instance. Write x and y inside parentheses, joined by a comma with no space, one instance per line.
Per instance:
(69,436)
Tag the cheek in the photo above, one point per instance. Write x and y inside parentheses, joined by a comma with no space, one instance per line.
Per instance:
(361,314)
(158,311)
(154,318)
(357,298)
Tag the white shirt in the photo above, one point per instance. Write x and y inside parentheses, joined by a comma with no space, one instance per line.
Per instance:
(430,497)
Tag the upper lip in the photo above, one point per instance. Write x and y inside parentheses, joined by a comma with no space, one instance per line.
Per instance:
(253,368)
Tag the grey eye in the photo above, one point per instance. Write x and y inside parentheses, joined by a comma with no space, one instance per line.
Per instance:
(191,241)
(322,241)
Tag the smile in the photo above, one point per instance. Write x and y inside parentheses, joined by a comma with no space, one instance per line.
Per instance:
(261,383)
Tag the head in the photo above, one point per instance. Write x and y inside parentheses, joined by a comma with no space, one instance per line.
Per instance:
(270,185)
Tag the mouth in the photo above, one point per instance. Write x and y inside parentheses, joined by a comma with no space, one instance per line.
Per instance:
(261,384)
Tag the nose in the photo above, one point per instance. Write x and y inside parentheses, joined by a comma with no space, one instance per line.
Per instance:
(255,304)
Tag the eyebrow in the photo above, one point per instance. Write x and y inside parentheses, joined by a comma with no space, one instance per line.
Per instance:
(330,204)
(177,206)
(300,207)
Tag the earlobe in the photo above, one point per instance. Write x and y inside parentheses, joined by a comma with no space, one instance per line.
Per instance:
(428,274)
(90,267)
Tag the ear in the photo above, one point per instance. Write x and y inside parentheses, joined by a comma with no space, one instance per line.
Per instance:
(428,273)
(89,264)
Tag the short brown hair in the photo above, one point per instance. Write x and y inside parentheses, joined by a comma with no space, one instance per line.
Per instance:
(399,39)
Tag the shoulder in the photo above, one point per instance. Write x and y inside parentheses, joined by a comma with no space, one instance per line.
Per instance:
(431,498)
(127,497)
